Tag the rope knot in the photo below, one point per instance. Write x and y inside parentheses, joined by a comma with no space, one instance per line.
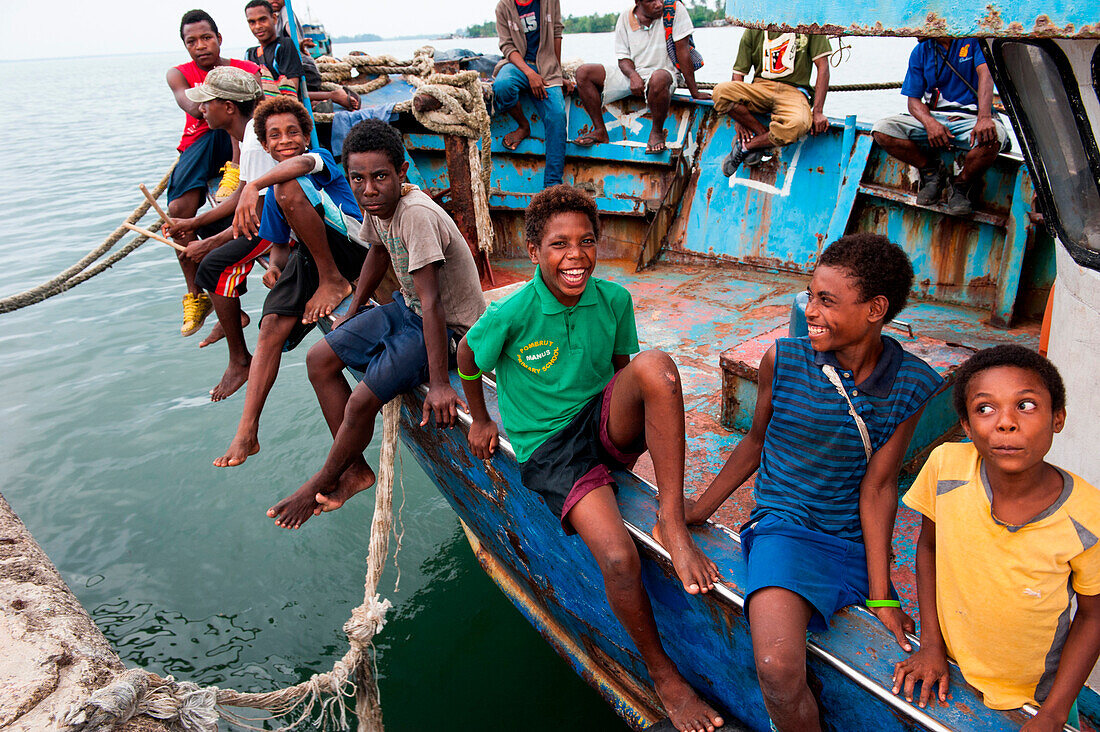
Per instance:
(367,621)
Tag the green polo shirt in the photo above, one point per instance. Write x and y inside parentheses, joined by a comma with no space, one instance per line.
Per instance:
(550,360)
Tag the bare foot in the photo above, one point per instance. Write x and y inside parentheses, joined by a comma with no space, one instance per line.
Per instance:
(656,142)
(240,449)
(295,509)
(516,136)
(589,139)
(687,711)
(695,569)
(325,299)
(217,332)
(355,479)
(235,376)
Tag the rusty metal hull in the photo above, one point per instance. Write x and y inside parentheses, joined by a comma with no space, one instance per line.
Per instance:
(1059,18)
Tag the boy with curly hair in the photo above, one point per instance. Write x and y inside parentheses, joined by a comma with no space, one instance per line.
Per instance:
(1007,542)
(576,406)
(834,414)
(396,346)
(310,203)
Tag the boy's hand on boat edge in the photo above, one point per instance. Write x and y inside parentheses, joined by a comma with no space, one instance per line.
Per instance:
(927,666)
(897,622)
(443,402)
(483,438)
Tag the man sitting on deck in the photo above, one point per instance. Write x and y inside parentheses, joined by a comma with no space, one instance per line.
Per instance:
(281,62)
(834,414)
(203,152)
(311,203)
(399,345)
(646,69)
(530,39)
(951,70)
(780,87)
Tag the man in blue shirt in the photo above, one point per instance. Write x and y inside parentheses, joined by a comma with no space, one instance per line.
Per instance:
(950,95)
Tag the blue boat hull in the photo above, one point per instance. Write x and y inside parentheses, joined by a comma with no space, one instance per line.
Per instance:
(553,580)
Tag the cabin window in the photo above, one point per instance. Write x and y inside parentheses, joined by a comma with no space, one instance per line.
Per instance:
(1043,92)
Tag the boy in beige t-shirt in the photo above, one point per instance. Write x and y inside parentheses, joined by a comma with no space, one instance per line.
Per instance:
(396,346)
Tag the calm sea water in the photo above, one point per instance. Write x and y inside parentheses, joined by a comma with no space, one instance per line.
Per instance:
(108,435)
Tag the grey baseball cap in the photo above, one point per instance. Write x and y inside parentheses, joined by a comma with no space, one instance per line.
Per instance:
(226,82)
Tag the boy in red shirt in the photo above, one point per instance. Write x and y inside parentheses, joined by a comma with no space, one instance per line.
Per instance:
(203,152)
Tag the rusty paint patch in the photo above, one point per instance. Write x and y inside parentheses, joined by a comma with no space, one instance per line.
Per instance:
(992,20)
(935,27)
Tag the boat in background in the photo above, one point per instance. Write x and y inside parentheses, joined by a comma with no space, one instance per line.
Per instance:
(322,42)
(714,265)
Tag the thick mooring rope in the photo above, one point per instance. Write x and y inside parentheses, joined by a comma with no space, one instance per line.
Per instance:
(80,271)
(191,708)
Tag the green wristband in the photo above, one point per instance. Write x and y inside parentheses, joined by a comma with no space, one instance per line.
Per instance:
(883,603)
(463,376)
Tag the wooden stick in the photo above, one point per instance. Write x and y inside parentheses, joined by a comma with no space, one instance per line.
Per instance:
(158,237)
(156,206)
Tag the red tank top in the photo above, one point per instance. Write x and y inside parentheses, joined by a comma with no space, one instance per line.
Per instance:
(195,128)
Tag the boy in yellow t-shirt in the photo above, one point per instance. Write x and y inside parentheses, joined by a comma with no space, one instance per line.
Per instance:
(1007,540)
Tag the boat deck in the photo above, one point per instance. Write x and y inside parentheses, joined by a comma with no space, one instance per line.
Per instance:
(696,312)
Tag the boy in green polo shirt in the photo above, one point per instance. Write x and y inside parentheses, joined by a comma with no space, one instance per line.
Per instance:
(575,405)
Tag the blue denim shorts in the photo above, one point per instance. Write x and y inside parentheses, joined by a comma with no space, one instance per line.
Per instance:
(386,343)
(200,162)
(829,572)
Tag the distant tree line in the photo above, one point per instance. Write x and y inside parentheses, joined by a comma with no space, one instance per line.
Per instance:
(605,23)
(361,38)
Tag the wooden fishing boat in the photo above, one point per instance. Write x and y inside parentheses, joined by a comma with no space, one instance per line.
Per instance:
(714,265)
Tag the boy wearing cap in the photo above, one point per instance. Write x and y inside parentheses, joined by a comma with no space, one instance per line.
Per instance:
(203,152)
(226,99)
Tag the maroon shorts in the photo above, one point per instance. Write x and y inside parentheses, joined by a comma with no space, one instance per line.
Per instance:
(578,458)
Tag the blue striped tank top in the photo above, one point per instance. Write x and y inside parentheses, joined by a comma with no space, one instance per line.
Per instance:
(813,459)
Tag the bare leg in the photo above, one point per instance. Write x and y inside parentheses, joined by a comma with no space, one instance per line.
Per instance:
(350,417)
(185,207)
(310,228)
(596,518)
(976,161)
(778,619)
(274,330)
(218,332)
(236,373)
(658,98)
(904,150)
(648,393)
(590,81)
(518,135)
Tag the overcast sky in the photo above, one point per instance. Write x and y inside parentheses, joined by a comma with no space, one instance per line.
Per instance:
(53,28)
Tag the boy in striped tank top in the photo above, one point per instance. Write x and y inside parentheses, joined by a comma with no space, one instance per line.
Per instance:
(826,492)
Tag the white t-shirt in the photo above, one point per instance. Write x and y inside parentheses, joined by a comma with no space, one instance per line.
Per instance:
(645,46)
(254,159)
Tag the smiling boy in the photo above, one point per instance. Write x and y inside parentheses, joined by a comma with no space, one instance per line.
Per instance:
(311,203)
(576,406)
(834,415)
(1007,542)
(396,346)
(203,151)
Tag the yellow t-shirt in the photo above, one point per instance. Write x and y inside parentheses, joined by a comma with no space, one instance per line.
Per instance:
(1003,593)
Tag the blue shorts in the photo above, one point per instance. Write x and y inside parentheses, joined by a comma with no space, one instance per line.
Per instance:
(386,343)
(200,162)
(829,572)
